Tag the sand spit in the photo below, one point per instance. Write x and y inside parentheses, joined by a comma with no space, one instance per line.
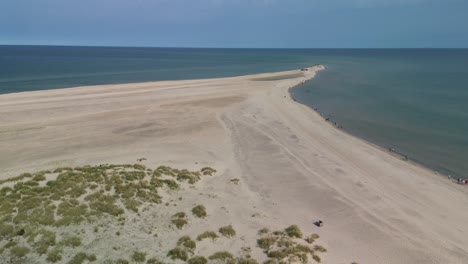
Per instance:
(293,167)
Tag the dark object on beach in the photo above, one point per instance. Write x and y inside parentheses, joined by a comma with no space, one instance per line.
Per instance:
(141,159)
(318,223)
(21,232)
(304,69)
(327,119)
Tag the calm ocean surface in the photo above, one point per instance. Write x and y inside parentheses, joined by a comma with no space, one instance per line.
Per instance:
(415,101)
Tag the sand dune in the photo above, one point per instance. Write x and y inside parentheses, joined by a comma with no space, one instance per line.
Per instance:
(294,167)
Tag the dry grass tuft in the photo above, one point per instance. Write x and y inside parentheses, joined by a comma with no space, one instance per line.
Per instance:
(199,211)
(207,234)
(227,231)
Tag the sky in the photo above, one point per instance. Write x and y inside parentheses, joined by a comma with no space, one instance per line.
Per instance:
(237,23)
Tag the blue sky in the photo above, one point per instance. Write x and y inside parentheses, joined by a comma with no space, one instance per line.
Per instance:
(236,23)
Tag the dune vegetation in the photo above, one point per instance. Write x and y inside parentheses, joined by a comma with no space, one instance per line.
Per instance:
(54,216)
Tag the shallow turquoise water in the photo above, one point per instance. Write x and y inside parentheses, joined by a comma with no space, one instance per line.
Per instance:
(415,101)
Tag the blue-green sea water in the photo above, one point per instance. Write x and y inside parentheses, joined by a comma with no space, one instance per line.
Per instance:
(413,100)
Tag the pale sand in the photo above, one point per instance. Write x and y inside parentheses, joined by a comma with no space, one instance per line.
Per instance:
(294,167)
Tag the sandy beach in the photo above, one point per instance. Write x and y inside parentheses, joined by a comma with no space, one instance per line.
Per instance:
(293,166)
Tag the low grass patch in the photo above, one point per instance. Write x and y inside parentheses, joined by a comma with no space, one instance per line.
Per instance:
(221,255)
(187,243)
(247,261)
(311,239)
(263,231)
(139,257)
(54,255)
(199,211)
(179,215)
(19,252)
(208,171)
(266,243)
(197,260)
(82,257)
(179,222)
(227,231)
(293,231)
(320,248)
(235,180)
(208,234)
(178,253)
(46,240)
(73,242)
(154,261)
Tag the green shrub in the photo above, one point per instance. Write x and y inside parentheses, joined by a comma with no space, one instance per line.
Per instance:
(73,241)
(92,258)
(171,184)
(6,230)
(39,177)
(278,254)
(208,171)
(279,233)
(154,261)
(188,176)
(178,253)
(139,167)
(79,258)
(266,243)
(197,260)
(19,252)
(122,261)
(199,211)
(227,231)
(303,257)
(285,242)
(316,258)
(207,234)
(54,255)
(263,231)
(46,240)
(247,261)
(187,242)
(10,244)
(221,255)
(293,231)
(270,261)
(320,248)
(138,256)
(179,222)
(179,215)
(311,239)
(235,180)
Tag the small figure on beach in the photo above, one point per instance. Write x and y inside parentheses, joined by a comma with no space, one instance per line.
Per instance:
(318,223)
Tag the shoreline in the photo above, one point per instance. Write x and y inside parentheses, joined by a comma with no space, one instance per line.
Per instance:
(394,153)
(292,167)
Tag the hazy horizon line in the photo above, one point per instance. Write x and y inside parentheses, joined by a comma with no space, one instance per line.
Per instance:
(195,47)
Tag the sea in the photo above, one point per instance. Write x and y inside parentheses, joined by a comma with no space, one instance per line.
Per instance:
(413,101)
